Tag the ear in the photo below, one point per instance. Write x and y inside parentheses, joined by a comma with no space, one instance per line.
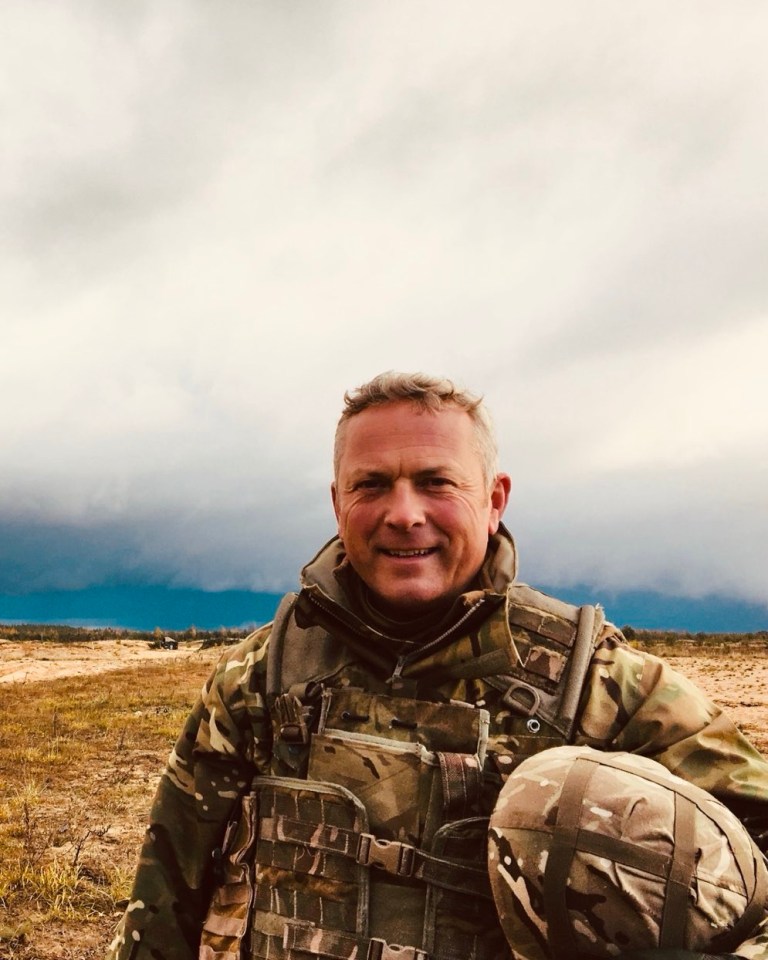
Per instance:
(500,489)
(335,501)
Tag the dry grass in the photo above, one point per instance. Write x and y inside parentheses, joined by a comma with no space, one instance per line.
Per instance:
(79,761)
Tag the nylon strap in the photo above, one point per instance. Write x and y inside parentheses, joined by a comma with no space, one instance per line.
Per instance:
(683,787)
(580,658)
(673,916)
(461,780)
(754,912)
(336,945)
(391,856)
(561,939)
(276,644)
(752,869)
(678,870)
(626,853)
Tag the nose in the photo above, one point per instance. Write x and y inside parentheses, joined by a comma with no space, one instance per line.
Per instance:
(404,506)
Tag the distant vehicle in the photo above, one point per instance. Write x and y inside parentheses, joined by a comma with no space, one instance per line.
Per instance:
(168,643)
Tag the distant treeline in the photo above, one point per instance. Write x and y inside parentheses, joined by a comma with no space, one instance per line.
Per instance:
(684,638)
(62,633)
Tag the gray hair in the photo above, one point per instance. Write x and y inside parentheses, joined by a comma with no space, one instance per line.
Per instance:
(426,393)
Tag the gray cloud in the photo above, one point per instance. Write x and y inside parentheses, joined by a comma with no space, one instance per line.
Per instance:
(688,531)
(217,218)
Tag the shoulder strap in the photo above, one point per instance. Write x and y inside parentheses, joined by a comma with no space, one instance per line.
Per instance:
(299,656)
(277,644)
(556,641)
(590,624)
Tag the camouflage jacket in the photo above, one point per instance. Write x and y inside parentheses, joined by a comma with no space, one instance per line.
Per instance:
(628,701)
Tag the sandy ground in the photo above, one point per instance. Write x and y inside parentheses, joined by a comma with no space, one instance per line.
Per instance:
(30,661)
(738,682)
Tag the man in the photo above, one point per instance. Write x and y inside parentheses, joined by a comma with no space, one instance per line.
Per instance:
(329,794)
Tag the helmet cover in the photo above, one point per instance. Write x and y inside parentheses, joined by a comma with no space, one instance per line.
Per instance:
(592,854)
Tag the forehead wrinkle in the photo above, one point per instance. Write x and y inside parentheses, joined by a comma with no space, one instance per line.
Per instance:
(396,466)
(383,446)
(407,443)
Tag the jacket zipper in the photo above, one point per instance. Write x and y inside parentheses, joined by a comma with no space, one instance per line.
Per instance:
(405,659)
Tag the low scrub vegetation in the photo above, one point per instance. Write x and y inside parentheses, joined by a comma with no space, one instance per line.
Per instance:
(79,760)
(63,633)
(682,643)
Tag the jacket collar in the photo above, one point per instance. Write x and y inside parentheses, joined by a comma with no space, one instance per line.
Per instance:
(498,571)
(325,601)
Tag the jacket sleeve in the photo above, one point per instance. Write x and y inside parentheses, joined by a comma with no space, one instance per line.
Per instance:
(225,742)
(636,702)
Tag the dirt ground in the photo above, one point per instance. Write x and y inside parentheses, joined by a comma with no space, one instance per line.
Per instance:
(738,681)
(89,727)
(31,661)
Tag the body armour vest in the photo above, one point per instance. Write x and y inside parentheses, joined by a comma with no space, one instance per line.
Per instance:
(368,840)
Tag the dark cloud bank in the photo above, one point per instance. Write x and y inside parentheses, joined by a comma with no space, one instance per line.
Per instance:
(54,574)
(147,607)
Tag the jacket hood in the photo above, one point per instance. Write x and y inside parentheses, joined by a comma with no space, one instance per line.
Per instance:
(324,602)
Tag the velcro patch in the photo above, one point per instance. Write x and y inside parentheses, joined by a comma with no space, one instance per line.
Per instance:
(545,663)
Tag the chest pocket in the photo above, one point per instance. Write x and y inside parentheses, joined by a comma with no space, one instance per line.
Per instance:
(414,765)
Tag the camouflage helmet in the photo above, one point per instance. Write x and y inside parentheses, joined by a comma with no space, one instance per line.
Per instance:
(592,853)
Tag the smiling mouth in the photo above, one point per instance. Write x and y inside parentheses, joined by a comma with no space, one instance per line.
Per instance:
(406,554)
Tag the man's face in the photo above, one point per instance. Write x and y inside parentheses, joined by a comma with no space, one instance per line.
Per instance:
(413,509)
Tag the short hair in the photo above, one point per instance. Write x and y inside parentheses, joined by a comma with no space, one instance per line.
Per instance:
(427,393)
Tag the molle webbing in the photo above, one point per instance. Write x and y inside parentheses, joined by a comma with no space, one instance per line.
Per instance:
(291,881)
(379,851)
(391,856)
(412,775)
(554,643)
(304,938)
(315,865)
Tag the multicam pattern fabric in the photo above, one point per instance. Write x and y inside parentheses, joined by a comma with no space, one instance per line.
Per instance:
(621,847)
(193,855)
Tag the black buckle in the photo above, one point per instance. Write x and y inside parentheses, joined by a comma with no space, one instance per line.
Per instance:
(291,722)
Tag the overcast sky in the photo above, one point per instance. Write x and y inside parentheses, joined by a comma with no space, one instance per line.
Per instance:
(216,217)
